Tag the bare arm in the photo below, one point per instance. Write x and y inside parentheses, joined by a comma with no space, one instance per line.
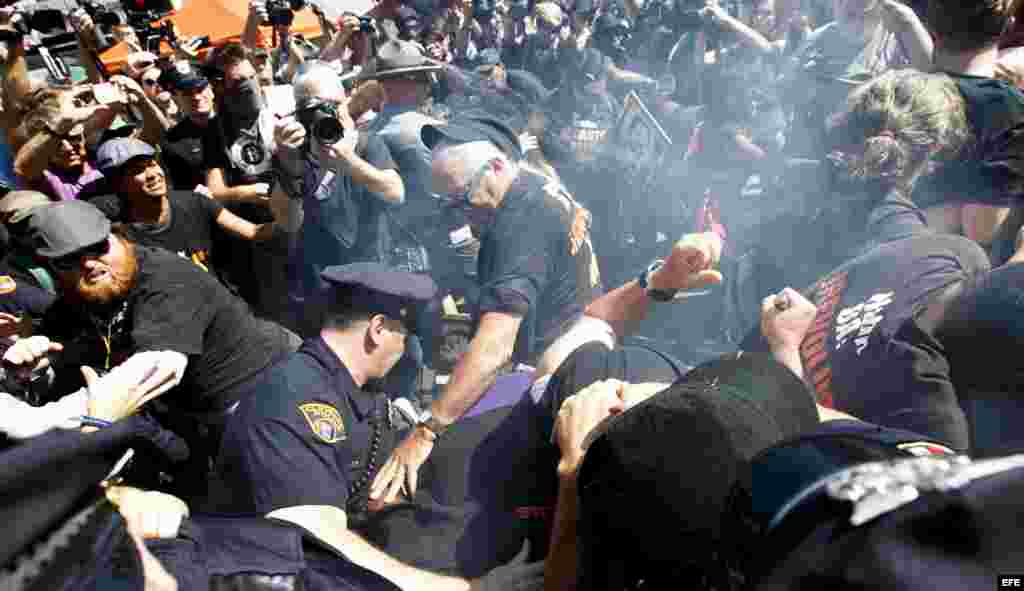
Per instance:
(490,349)
(576,419)
(330,525)
(385,183)
(913,36)
(689,266)
(16,87)
(746,35)
(251,30)
(626,76)
(239,194)
(247,230)
(560,566)
(462,34)
(33,157)
(154,122)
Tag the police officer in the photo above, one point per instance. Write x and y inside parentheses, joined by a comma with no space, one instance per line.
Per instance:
(310,415)
(305,445)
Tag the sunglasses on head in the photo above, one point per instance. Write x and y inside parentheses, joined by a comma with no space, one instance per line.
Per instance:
(70,262)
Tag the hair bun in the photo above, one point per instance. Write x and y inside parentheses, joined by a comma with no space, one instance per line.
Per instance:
(884,157)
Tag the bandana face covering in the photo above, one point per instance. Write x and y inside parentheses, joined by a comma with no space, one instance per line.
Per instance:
(245,100)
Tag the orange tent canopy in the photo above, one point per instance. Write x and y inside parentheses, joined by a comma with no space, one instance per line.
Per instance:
(221,20)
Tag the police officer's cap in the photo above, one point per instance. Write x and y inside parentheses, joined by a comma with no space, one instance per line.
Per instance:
(380,288)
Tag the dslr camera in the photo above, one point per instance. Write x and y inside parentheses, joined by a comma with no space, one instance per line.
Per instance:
(281,13)
(321,121)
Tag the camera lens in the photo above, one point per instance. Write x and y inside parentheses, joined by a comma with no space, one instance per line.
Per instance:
(328,130)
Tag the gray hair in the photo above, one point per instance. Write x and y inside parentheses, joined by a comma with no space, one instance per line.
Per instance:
(313,76)
(474,155)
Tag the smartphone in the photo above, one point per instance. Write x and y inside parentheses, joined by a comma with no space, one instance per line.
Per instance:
(106,93)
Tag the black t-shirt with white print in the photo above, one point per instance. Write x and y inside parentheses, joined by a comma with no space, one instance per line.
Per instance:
(863,354)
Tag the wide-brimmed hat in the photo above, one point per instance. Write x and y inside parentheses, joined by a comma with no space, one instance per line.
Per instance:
(398,58)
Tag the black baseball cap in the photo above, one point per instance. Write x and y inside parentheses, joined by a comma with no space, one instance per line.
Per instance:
(63,228)
(380,288)
(473,129)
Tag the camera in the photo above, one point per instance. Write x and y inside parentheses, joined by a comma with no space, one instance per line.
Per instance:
(281,13)
(367,25)
(321,121)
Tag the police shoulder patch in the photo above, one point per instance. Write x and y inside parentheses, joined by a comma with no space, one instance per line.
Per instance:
(325,421)
(7,284)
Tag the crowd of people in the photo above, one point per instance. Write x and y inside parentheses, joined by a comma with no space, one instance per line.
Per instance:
(478,295)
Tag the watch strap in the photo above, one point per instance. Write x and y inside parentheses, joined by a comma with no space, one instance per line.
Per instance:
(658,295)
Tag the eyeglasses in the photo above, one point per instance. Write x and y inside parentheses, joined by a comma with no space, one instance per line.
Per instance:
(460,198)
(70,262)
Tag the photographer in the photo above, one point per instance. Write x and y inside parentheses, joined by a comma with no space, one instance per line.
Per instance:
(350,44)
(349,182)
(290,55)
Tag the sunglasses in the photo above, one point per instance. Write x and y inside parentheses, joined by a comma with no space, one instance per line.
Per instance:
(70,262)
(149,81)
(75,139)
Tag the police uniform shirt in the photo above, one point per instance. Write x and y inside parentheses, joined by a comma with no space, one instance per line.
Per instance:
(299,439)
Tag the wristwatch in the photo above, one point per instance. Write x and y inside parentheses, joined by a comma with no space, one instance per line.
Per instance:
(658,295)
(431,423)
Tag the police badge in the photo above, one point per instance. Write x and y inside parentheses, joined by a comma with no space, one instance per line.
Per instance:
(325,421)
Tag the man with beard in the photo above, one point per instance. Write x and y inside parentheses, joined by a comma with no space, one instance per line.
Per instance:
(182,222)
(117,298)
(244,160)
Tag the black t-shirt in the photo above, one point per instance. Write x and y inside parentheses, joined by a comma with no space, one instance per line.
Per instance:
(189,232)
(174,306)
(989,170)
(863,356)
(536,261)
(183,154)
